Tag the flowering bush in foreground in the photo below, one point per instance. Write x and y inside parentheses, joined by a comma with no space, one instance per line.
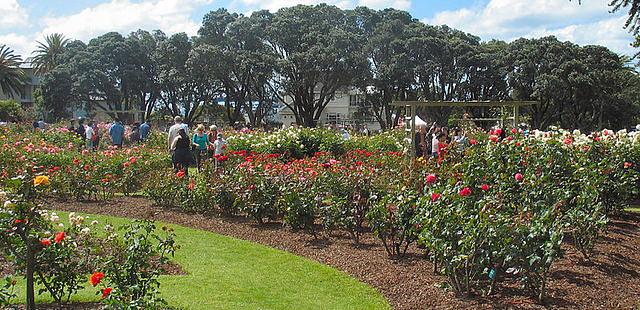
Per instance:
(58,256)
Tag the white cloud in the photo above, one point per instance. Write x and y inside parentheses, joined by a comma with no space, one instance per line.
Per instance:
(12,15)
(124,16)
(589,23)
(21,44)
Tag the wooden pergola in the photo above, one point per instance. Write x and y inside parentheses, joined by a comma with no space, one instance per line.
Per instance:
(412,106)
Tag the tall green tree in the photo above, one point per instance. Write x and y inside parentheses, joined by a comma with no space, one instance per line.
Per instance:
(241,61)
(392,73)
(184,72)
(12,77)
(49,53)
(318,52)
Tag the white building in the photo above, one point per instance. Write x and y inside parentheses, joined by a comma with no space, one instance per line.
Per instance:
(26,99)
(347,108)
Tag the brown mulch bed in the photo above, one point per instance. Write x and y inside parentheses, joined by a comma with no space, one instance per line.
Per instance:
(71,306)
(611,280)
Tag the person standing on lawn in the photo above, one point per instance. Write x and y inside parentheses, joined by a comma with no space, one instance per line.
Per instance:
(116,131)
(181,148)
(200,141)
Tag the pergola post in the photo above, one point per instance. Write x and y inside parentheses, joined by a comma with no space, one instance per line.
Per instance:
(412,122)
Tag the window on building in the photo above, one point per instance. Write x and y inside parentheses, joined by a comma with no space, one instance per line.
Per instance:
(358,101)
(333,117)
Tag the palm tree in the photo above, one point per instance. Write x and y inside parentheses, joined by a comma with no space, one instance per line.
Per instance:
(49,54)
(12,77)
(633,21)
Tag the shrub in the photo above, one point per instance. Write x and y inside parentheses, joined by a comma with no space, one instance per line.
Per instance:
(392,221)
(131,281)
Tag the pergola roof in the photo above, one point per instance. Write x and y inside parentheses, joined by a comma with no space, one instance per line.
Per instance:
(421,104)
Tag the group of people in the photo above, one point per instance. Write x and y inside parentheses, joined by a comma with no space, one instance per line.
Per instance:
(432,142)
(202,145)
(90,132)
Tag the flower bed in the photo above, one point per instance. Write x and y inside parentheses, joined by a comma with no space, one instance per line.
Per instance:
(500,208)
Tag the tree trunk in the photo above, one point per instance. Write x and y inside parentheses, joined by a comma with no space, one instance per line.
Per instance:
(31,264)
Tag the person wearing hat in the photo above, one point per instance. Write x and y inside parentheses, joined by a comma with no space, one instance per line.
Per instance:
(200,142)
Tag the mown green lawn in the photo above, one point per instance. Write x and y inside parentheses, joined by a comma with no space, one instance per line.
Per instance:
(227,273)
(635,209)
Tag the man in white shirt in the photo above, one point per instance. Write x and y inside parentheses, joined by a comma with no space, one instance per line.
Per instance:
(88,133)
(173,130)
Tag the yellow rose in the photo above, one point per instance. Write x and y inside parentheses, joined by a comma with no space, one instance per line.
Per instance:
(41,180)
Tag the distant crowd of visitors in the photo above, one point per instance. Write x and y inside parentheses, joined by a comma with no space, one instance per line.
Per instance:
(432,142)
(89,132)
(202,146)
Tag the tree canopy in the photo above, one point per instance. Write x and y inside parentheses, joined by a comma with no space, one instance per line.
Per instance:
(303,55)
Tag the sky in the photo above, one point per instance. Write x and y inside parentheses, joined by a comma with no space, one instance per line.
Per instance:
(23,22)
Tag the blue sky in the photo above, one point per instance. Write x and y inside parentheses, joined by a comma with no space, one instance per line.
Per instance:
(23,22)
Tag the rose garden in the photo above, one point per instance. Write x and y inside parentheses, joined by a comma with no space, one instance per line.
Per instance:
(526,221)
(320,156)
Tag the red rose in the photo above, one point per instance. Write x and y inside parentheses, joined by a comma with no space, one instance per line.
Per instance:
(473,141)
(106,292)
(96,277)
(514,131)
(76,161)
(498,131)
(45,242)
(180,174)
(59,237)
(465,192)
(485,187)
(519,177)
(132,159)
(627,165)
(494,138)
(435,197)
(431,178)
(18,221)
(567,141)
(86,167)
